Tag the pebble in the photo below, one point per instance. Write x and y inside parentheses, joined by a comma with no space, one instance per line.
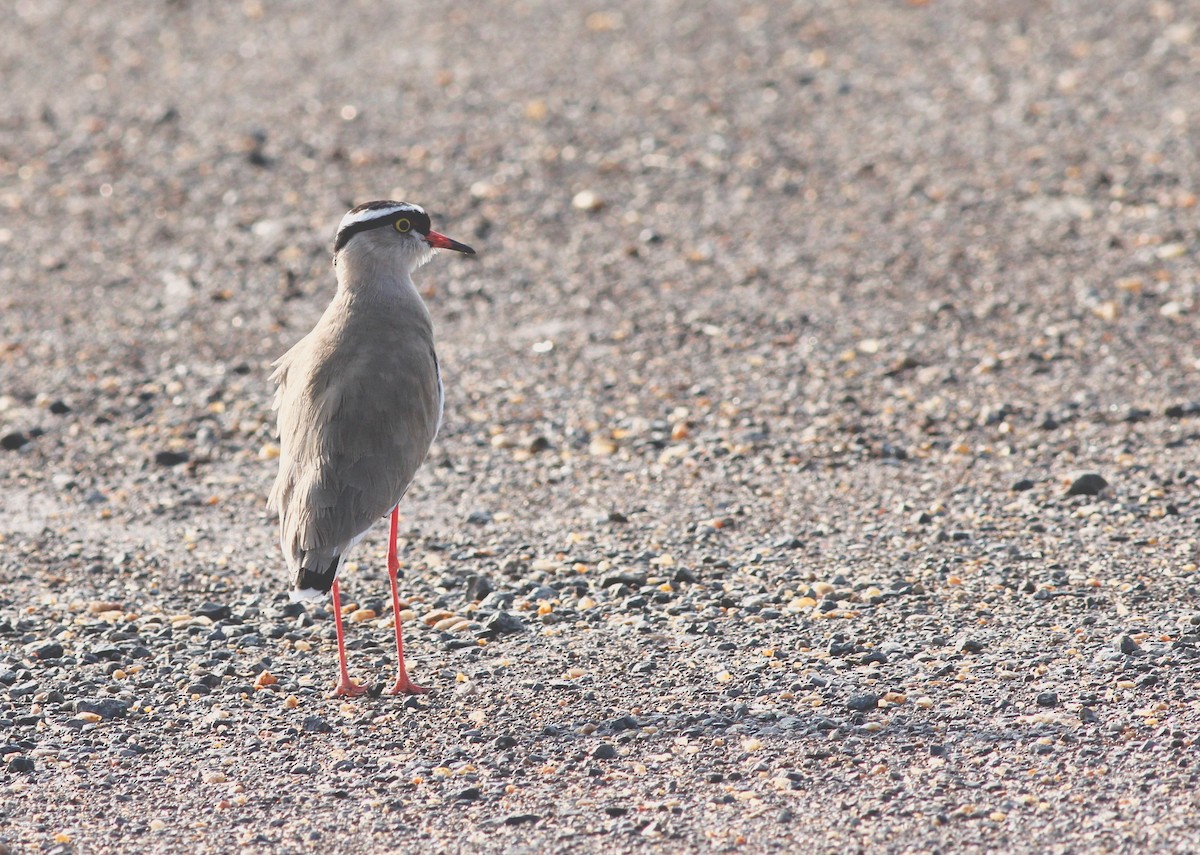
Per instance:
(864,702)
(212,611)
(587,200)
(478,587)
(1086,484)
(316,724)
(1022,485)
(1124,644)
(21,763)
(604,751)
(44,650)
(108,708)
(625,722)
(1047,699)
(501,623)
(170,458)
(13,441)
(966,644)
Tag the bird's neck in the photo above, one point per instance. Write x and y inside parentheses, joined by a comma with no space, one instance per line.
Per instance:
(364,272)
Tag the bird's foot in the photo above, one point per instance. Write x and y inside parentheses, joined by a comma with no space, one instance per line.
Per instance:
(405,686)
(348,689)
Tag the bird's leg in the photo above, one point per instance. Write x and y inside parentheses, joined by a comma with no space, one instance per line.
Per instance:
(404,686)
(345,686)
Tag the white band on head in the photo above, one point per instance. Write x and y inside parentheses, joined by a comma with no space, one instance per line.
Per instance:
(360,215)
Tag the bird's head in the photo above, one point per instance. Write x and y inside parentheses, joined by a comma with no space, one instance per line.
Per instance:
(398,229)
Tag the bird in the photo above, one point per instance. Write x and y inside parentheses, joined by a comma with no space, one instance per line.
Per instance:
(359,402)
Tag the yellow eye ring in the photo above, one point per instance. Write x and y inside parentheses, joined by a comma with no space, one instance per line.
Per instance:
(402,225)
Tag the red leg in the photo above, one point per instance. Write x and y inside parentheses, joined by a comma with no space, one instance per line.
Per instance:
(404,686)
(345,686)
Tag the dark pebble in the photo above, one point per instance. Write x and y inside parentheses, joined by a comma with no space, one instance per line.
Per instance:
(968,645)
(316,724)
(504,742)
(13,441)
(105,707)
(1124,644)
(862,703)
(1087,484)
(470,794)
(631,579)
(604,751)
(44,650)
(1178,411)
(21,763)
(1088,716)
(625,722)
(213,611)
(616,810)
(684,575)
(478,587)
(170,458)
(59,407)
(479,517)
(1047,699)
(501,623)
(1022,485)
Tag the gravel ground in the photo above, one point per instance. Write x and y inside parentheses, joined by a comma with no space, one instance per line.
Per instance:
(819,465)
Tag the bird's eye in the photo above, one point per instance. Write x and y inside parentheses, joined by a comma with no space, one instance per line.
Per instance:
(403,225)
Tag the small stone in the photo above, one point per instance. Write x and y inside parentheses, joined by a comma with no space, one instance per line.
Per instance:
(170,458)
(316,724)
(213,611)
(1087,484)
(863,703)
(625,722)
(1022,485)
(478,587)
(59,407)
(586,200)
(470,794)
(1047,699)
(21,763)
(1178,411)
(479,517)
(44,650)
(107,708)
(1124,644)
(604,751)
(502,623)
(1088,716)
(966,644)
(13,441)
